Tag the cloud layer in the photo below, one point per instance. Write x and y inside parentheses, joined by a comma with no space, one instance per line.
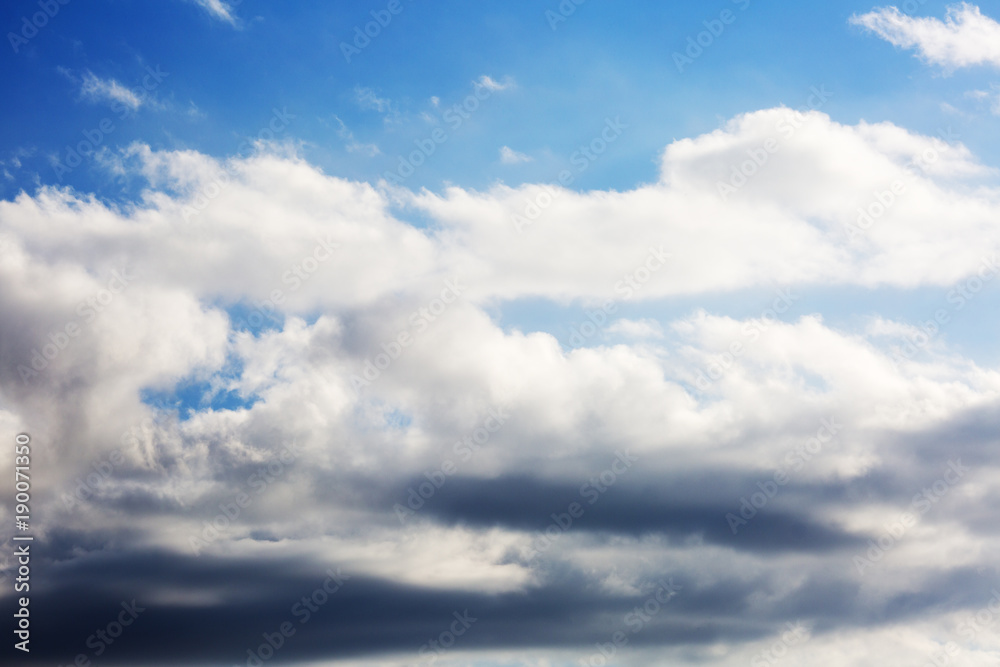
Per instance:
(359,404)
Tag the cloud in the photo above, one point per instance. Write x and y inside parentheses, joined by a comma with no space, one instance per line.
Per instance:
(219,9)
(991,97)
(799,211)
(378,360)
(368,100)
(494,86)
(510,156)
(14,161)
(96,89)
(965,38)
(352,144)
(636,329)
(193,111)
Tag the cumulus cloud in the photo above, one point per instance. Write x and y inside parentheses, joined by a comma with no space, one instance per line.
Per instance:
(966,37)
(731,222)
(340,360)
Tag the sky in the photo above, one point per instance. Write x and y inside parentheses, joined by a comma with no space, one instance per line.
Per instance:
(499,334)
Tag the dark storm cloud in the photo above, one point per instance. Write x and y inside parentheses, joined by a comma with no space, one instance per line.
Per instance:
(631,508)
(238,600)
(964,434)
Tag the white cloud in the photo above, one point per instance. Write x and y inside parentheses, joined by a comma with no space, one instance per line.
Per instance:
(796,219)
(258,220)
(96,89)
(965,38)
(492,85)
(219,9)
(510,156)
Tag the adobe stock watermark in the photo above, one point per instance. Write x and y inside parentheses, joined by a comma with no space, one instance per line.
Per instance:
(582,159)
(565,9)
(969,628)
(636,620)
(464,449)
(302,610)
(381,18)
(630,284)
(456,116)
(944,656)
(697,44)
(794,635)
(88,309)
(435,648)
(280,120)
(740,174)
(591,491)
(295,276)
(94,138)
(88,487)
(793,461)
(105,637)
(959,296)
(751,331)
(30,27)
(230,511)
(883,201)
(419,321)
(920,504)
(982,619)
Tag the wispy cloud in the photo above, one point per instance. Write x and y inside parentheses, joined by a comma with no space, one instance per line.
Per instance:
(193,111)
(368,100)
(491,84)
(219,9)
(14,162)
(966,37)
(510,156)
(96,89)
(352,144)
(987,97)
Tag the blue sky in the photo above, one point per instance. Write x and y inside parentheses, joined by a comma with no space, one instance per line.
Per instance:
(602,61)
(641,333)
(223,80)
